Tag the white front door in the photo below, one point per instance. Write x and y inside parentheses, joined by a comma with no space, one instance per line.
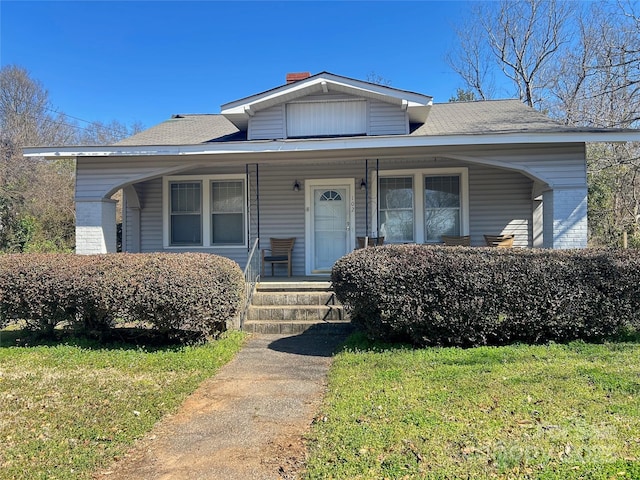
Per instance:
(330,212)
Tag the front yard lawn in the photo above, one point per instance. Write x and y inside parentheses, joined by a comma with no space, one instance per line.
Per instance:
(68,409)
(543,412)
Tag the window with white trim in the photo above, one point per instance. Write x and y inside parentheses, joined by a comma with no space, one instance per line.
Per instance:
(185,213)
(227,213)
(441,207)
(205,211)
(396,209)
(422,205)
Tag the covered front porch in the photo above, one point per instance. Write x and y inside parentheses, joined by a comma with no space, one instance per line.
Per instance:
(222,204)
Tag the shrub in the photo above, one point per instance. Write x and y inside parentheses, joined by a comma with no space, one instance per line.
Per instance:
(35,288)
(195,292)
(477,296)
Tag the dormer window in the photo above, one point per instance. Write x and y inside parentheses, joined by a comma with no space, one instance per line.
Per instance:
(327,118)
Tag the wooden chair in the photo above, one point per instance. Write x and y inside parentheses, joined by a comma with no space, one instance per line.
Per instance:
(500,241)
(373,241)
(280,252)
(464,240)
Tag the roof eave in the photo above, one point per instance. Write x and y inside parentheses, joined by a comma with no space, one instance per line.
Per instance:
(239,111)
(335,144)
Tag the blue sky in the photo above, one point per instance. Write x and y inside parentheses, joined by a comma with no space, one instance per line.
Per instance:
(146,60)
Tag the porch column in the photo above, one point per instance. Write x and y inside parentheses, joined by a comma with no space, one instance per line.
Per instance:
(565,217)
(95,226)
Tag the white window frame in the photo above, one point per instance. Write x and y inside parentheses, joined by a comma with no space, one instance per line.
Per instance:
(206,210)
(418,196)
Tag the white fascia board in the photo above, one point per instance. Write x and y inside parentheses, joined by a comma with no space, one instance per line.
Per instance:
(334,144)
(238,112)
(323,83)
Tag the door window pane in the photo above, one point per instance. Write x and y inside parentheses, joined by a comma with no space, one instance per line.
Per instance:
(186,213)
(441,207)
(227,212)
(396,209)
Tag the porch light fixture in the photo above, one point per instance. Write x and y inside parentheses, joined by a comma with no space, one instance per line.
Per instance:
(296,186)
(363,184)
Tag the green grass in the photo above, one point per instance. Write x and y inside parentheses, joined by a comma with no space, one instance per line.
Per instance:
(69,409)
(545,412)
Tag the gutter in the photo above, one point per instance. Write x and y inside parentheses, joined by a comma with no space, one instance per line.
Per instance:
(335,144)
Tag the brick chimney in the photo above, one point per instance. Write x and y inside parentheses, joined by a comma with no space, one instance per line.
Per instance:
(295,77)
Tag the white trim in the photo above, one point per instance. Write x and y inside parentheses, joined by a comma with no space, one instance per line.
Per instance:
(417,174)
(335,144)
(418,105)
(309,185)
(206,210)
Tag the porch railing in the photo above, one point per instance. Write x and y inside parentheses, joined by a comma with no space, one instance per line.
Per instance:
(251,277)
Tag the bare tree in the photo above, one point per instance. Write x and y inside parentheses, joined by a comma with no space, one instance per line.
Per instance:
(98,133)
(36,195)
(518,38)
(471,58)
(373,77)
(579,62)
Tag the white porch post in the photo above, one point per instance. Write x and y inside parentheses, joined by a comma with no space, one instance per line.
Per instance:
(565,217)
(95,226)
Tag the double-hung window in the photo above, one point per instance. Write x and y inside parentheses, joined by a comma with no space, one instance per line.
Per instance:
(422,205)
(205,211)
(441,207)
(396,209)
(227,212)
(186,213)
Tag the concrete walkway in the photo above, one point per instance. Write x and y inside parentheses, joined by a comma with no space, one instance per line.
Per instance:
(247,422)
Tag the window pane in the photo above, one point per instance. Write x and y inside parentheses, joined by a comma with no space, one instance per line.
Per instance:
(186,230)
(185,197)
(227,228)
(441,221)
(396,209)
(227,212)
(396,193)
(227,197)
(442,207)
(442,192)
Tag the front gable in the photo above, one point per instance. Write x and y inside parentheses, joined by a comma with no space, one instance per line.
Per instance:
(326,105)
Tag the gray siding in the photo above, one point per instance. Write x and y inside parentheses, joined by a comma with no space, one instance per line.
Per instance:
(382,118)
(267,124)
(387,119)
(499,203)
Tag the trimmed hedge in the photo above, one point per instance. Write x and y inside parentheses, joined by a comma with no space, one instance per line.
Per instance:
(187,291)
(432,295)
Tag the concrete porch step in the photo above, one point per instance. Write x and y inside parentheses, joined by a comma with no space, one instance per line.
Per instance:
(297,327)
(274,298)
(301,312)
(292,307)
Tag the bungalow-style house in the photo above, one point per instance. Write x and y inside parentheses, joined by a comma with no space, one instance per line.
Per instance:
(326,159)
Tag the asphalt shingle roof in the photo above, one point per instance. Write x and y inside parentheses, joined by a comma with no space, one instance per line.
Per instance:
(485,117)
(187,130)
(456,118)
